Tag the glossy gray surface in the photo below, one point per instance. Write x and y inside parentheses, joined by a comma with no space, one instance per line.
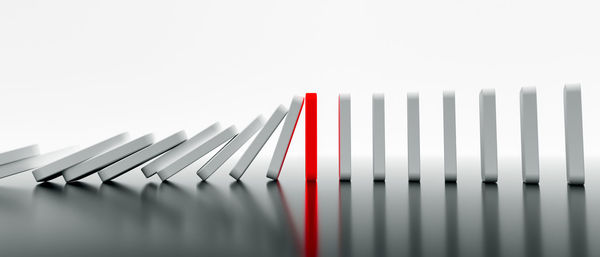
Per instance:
(134,215)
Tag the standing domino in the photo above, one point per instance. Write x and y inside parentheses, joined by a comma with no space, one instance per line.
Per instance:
(449,137)
(413,140)
(530,164)
(310,155)
(488,140)
(378,137)
(344,137)
(574,134)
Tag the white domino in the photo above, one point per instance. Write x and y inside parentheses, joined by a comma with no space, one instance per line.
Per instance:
(54,169)
(197,153)
(488,138)
(19,154)
(36,161)
(450,169)
(378,137)
(169,157)
(530,164)
(259,141)
(413,140)
(574,134)
(97,163)
(345,137)
(285,138)
(130,162)
(228,150)
(114,156)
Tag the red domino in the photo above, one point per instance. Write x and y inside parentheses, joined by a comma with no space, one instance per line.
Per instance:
(311,137)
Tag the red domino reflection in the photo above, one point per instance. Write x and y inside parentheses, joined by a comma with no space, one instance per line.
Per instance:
(311,219)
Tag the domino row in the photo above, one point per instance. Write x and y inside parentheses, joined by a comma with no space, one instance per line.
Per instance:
(115,156)
(488,137)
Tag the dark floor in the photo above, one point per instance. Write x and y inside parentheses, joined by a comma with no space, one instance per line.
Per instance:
(291,218)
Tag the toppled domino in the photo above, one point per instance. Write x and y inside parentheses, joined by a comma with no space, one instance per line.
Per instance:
(26,164)
(54,169)
(197,153)
(259,141)
(99,162)
(285,138)
(169,157)
(130,162)
(19,154)
(230,148)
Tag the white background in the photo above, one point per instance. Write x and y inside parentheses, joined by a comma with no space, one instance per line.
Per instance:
(76,72)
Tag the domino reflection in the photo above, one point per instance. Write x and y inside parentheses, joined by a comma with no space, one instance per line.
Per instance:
(160,220)
(295,219)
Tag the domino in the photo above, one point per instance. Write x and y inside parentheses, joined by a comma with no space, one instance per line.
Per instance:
(230,148)
(259,141)
(450,173)
(530,164)
(285,138)
(574,134)
(197,153)
(114,156)
(344,137)
(19,154)
(169,157)
(378,137)
(130,162)
(413,140)
(487,133)
(54,169)
(97,163)
(26,164)
(310,154)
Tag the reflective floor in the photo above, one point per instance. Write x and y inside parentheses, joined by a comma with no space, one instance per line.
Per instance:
(290,218)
